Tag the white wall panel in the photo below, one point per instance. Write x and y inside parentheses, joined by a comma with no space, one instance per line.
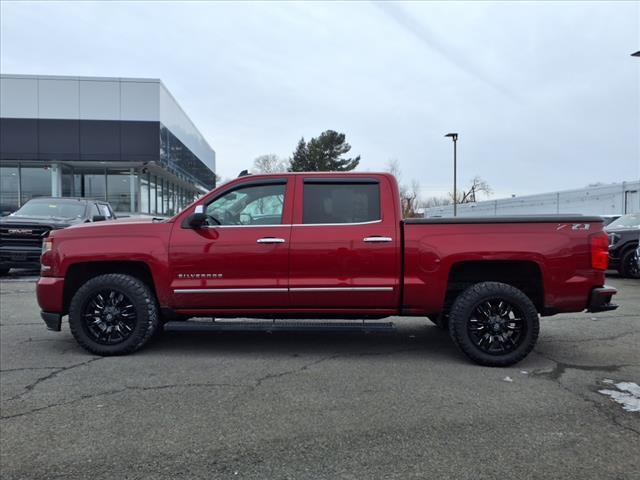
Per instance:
(99,100)
(600,200)
(140,100)
(58,98)
(18,97)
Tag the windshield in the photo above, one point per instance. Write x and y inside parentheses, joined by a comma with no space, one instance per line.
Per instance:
(626,221)
(51,208)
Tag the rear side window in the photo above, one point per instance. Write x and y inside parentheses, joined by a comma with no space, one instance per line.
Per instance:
(106,211)
(326,202)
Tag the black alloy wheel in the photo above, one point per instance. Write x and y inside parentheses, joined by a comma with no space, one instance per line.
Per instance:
(109,317)
(496,326)
(629,266)
(113,314)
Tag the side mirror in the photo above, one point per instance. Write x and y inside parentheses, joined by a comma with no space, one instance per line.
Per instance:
(98,218)
(198,218)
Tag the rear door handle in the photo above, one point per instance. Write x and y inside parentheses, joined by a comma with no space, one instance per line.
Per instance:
(377,239)
(270,240)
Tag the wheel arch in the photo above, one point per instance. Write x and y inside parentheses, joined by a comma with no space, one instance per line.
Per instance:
(79,273)
(525,275)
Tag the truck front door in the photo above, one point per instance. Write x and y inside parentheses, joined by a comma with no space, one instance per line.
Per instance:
(240,258)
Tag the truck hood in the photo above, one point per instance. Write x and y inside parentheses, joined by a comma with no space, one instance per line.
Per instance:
(45,221)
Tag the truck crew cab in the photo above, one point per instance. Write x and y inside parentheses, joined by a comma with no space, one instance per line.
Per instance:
(323,245)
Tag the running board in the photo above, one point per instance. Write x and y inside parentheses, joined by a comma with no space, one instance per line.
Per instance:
(278,326)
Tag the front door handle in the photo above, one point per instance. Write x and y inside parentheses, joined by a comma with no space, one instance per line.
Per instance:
(377,239)
(270,240)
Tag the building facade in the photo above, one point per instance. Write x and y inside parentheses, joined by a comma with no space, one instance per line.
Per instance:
(124,140)
(611,199)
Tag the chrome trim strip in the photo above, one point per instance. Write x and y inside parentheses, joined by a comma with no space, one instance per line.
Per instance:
(230,290)
(295,225)
(275,290)
(334,224)
(341,289)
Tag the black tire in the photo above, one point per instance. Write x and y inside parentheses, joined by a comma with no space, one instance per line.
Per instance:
(629,264)
(134,328)
(514,333)
(4,271)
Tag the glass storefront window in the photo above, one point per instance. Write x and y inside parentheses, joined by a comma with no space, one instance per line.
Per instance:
(144,193)
(119,190)
(152,194)
(172,194)
(34,182)
(90,182)
(9,191)
(68,189)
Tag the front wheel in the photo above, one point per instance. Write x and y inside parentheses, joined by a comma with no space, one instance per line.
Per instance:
(113,314)
(494,324)
(629,267)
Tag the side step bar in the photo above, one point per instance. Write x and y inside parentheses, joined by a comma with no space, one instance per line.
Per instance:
(278,326)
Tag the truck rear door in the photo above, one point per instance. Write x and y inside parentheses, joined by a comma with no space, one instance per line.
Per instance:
(345,244)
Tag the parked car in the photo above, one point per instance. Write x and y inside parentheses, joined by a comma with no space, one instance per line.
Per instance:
(22,232)
(607,219)
(623,242)
(317,246)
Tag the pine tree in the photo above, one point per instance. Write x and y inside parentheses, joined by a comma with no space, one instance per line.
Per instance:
(323,154)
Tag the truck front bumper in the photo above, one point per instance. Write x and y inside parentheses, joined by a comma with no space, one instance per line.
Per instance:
(600,299)
(52,320)
(50,292)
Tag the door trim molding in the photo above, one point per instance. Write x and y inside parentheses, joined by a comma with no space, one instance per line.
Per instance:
(230,290)
(276,290)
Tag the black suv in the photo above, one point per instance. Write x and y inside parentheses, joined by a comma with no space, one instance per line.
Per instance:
(623,242)
(21,233)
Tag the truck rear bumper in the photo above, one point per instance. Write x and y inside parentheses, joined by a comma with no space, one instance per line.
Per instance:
(52,320)
(600,299)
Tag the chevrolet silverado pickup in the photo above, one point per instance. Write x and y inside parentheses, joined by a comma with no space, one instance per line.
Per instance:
(312,246)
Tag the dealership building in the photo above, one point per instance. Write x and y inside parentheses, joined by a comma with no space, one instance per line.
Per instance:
(124,140)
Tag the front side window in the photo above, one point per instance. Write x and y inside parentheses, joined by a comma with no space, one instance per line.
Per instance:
(340,202)
(252,205)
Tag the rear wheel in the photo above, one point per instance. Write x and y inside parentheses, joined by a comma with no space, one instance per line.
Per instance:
(629,265)
(113,314)
(494,324)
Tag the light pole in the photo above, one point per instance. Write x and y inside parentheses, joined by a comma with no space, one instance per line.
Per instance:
(454,137)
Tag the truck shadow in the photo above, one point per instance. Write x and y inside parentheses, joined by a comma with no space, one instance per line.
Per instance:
(415,340)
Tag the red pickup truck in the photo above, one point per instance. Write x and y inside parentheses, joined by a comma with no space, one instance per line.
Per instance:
(318,246)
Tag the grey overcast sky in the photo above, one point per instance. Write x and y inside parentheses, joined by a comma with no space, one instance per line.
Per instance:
(545,95)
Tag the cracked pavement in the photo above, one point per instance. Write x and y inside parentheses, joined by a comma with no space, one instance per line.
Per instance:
(289,406)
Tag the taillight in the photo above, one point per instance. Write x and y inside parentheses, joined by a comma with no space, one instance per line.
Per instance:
(600,251)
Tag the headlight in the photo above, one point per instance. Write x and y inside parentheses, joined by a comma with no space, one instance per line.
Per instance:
(47,245)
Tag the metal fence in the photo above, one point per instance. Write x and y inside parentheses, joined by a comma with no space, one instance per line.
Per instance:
(611,199)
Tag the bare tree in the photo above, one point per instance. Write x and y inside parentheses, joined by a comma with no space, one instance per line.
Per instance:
(270,164)
(478,185)
(409,194)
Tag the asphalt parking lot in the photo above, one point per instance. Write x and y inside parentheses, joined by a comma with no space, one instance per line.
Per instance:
(289,406)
